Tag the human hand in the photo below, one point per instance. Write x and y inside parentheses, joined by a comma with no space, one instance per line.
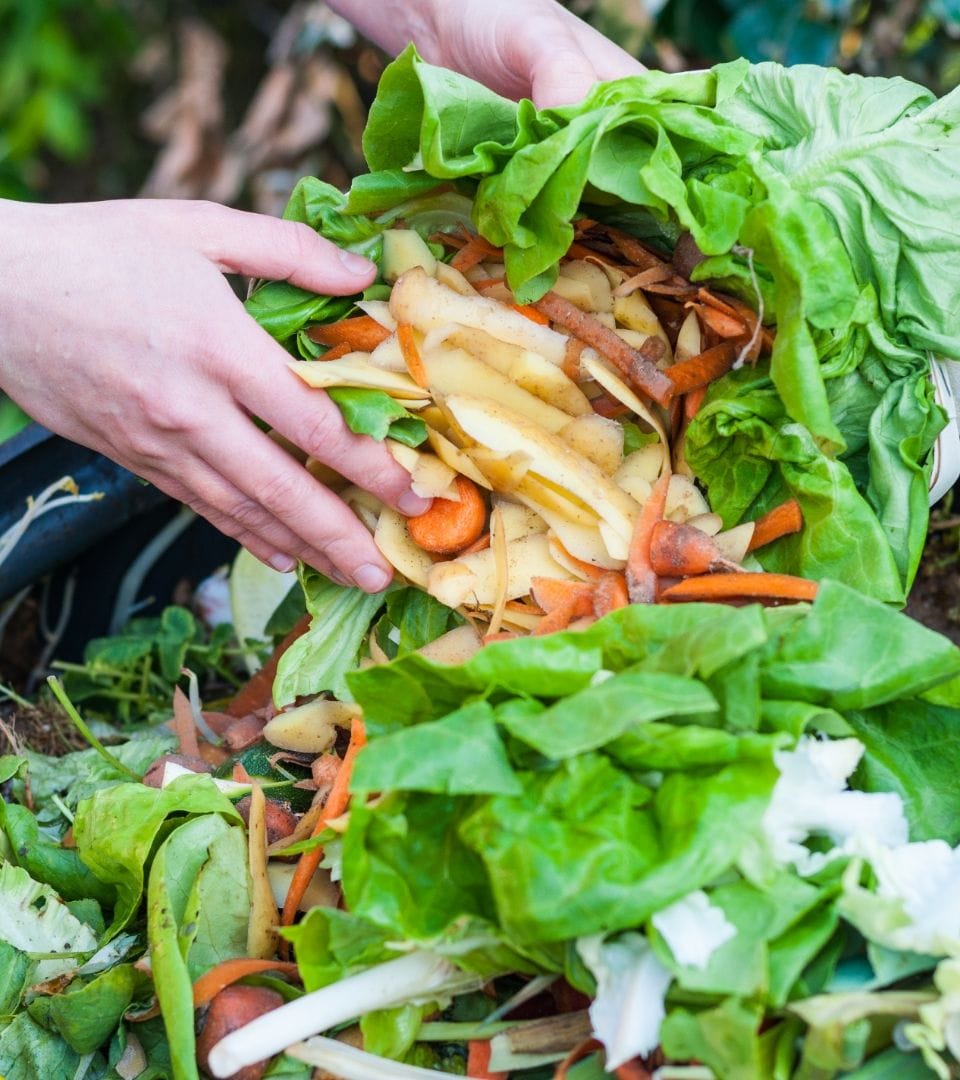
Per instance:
(519,48)
(119,331)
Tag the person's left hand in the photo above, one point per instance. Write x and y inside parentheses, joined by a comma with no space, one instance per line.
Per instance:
(519,48)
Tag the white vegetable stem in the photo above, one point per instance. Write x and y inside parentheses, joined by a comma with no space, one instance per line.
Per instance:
(349,1063)
(415,976)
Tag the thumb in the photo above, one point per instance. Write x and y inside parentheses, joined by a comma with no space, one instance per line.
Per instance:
(262,246)
(565,79)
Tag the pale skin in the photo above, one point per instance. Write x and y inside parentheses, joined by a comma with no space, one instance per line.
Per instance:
(119,331)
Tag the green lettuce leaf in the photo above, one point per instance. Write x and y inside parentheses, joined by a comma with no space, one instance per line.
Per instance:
(322,657)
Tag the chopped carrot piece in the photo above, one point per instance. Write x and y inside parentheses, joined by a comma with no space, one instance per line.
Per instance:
(450,526)
(478,1061)
(712,300)
(742,586)
(702,369)
(473,252)
(487,283)
(640,576)
(258,692)
(448,239)
(606,405)
(553,593)
(638,368)
(683,550)
(406,338)
(610,593)
(336,804)
(336,351)
(782,520)
(361,333)
(531,313)
(692,401)
(651,276)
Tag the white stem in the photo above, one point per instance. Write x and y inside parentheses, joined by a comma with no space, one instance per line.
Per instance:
(415,976)
(349,1063)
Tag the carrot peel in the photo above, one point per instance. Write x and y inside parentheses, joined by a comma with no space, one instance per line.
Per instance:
(641,576)
(782,520)
(225,974)
(678,550)
(361,332)
(743,586)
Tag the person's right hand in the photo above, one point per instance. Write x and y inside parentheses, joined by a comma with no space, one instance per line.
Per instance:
(119,331)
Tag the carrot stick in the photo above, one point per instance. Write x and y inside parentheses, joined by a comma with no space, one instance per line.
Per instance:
(683,551)
(742,586)
(407,340)
(610,594)
(335,805)
(637,367)
(478,1061)
(226,973)
(184,724)
(782,520)
(362,333)
(553,593)
(473,252)
(702,369)
(641,576)
(450,526)
(258,692)
(531,313)
(692,401)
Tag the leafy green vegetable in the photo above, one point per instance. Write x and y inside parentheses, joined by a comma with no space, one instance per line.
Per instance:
(322,657)
(375,413)
(30,1052)
(116,829)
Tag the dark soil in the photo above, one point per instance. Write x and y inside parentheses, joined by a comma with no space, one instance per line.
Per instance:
(935,599)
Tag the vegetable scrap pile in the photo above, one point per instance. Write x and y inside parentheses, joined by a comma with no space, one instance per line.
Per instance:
(675,840)
(546,428)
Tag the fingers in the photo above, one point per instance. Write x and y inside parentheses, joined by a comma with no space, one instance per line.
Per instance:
(310,420)
(265,247)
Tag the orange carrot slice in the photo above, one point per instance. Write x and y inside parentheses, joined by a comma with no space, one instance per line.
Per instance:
(184,724)
(558,619)
(226,973)
(361,333)
(742,586)
(678,550)
(450,526)
(258,692)
(782,520)
(480,544)
(336,804)
(637,367)
(722,324)
(702,369)
(336,351)
(641,576)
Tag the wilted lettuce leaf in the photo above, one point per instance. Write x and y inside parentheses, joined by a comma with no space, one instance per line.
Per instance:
(374,413)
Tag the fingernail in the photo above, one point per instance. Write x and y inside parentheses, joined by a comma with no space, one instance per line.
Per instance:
(371,578)
(355,264)
(411,504)
(283,563)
